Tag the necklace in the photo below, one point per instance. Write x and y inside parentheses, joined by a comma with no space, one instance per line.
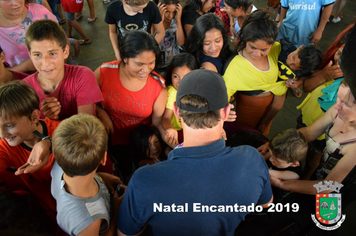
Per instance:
(12,22)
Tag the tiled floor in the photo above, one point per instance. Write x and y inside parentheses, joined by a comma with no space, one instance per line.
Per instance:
(100,50)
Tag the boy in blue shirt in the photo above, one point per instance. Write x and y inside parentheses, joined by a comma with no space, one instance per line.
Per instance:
(302,22)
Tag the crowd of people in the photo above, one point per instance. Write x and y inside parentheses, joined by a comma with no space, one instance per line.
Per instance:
(140,141)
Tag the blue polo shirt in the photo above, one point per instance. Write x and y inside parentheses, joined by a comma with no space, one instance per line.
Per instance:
(172,195)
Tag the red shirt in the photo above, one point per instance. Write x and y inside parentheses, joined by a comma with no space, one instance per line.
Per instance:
(77,88)
(72,6)
(127,109)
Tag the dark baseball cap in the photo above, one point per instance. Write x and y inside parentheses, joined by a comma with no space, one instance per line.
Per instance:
(204,83)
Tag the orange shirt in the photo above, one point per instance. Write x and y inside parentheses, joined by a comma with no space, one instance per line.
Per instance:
(39,182)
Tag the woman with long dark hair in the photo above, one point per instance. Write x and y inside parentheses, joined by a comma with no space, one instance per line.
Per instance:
(133,94)
(208,42)
(252,74)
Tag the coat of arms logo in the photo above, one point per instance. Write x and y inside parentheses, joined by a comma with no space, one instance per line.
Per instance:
(328,206)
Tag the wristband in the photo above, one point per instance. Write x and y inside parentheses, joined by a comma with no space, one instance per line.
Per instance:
(47,138)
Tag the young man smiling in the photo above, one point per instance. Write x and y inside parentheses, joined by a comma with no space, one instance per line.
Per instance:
(64,90)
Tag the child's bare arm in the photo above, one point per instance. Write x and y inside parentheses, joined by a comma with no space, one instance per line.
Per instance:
(46,5)
(317,34)
(166,119)
(114,40)
(38,158)
(171,135)
(282,15)
(87,109)
(179,33)
(159,32)
(104,117)
(116,205)
(110,181)
(284,174)
(25,66)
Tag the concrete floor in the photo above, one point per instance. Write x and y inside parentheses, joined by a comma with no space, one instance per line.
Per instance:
(100,50)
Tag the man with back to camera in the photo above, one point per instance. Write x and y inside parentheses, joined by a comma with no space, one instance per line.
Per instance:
(204,188)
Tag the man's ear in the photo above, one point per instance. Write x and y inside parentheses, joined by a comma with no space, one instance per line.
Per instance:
(103,160)
(225,112)
(295,164)
(35,116)
(176,110)
(66,52)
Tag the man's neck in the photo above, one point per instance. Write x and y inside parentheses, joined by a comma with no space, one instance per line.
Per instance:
(200,137)
(81,186)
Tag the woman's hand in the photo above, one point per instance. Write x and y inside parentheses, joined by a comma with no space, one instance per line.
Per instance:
(51,108)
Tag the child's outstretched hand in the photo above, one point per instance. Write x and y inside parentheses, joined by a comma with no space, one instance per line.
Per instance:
(171,137)
(51,108)
(37,159)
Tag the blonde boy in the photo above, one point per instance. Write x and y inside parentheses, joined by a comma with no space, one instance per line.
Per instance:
(83,200)
(287,149)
